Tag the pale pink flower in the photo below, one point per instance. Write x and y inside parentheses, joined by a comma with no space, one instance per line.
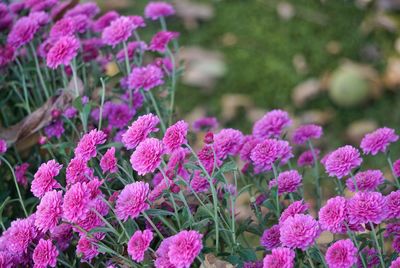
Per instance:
(147,156)
(132,200)
(43,180)
(45,254)
(49,211)
(175,136)
(108,162)
(139,243)
(139,130)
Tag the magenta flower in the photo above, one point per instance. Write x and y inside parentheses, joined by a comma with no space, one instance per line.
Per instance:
(62,52)
(54,129)
(118,31)
(266,153)
(76,202)
(62,235)
(307,158)
(297,207)
(228,142)
(378,141)
(89,9)
(43,180)
(366,180)
(132,200)
(160,41)
(132,47)
(49,211)
(199,182)
(86,147)
(307,132)
(120,115)
(62,28)
(3,146)
(207,158)
(39,5)
(271,124)
(287,182)
(333,215)
(395,263)
(205,123)
(279,258)
(299,231)
(22,32)
(45,254)
(137,21)
(104,21)
(249,142)
(20,235)
(155,10)
(78,171)
(366,207)
(139,130)
(108,162)
(139,243)
(341,254)
(7,54)
(92,219)
(341,161)
(87,248)
(270,238)
(20,174)
(396,168)
(146,78)
(393,205)
(148,156)
(41,17)
(175,136)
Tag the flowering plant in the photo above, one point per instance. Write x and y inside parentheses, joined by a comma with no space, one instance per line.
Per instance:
(120,184)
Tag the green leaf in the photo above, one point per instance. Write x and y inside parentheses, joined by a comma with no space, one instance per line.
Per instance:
(159,212)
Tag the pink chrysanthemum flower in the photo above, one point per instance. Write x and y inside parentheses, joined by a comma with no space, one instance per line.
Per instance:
(266,153)
(307,132)
(146,77)
(22,32)
(160,41)
(249,142)
(104,21)
(371,257)
(62,52)
(118,31)
(270,238)
(3,146)
(92,219)
(147,156)
(132,200)
(39,5)
(41,17)
(287,182)
(205,123)
(279,258)
(89,9)
(86,147)
(7,54)
(54,129)
(299,231)
(366,207)
(20,174)
(139,243)
(63,27)
(271,124)
(175,136)
(45,254)
(307,158)
(395,263)
(78,171)
(341,161)
(6,259)
(19,235)
(76,202)
(393,205)
(87,248)
(333,215)
(139,130)
(297,207)
(108,162)
(396,244)
(155,10)
(62,235)
(228,142)
(120,115)
(49,211)
(378,141)
(341,254)
(366,180)
(207,158)
(199,183)
(43,180)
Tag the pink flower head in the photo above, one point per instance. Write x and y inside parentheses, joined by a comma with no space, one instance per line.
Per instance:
(76,202)
(87,248)
(131,47)
(139,243)
(199,182)
(86,147)
(307,158)
(270,238)
(49,211)
(307,132)
(341,254)
(39,5)
(41,17)
(146,78)
(297,207)
(43,180)
(3,146)
(271,124)
(366,180)
(108,162)
(62,235)
(22,32)
(299,231)
(341,161)
(148,156)
(395,263)
(371,257)
(378,141)
(118,31)
(205,123)
(104,21)
(120,114)
(54,129)
(396,168)
(333,215)
(62,52)
(92,219)
(249,142)
(139,130)
(7,54)
(155,10)
(160,41)
(266,153)
(132,200)
(287,182)
(279,258)
(175,136)
(78,171)
(207,158)
(393,205)
(20,235)
(228,142)
(366,207)
(45,254)
(20,174)
(89,9)
(62,28)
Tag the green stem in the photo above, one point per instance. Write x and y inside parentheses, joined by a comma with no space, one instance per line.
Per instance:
(396,179)
(157,111)
(316,176)
(377,244)
(152,225)
(41,79)
(278,213)
(354,181)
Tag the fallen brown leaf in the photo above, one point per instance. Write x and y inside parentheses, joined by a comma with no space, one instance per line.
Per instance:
(210,261)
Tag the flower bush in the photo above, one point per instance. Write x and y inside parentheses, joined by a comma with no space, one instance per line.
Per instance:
(121,182)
